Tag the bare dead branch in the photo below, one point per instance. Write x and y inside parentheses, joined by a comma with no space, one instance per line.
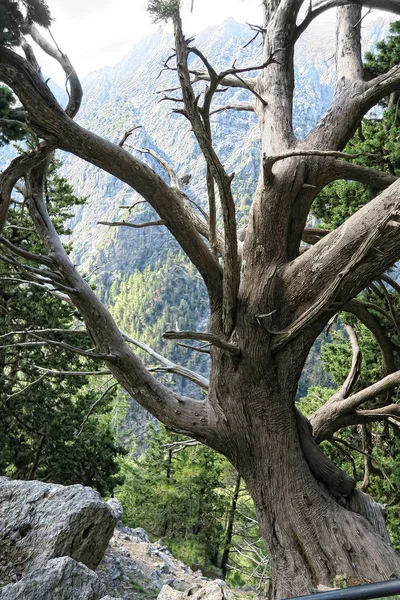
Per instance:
(202,349)
(132,206)
(91,409)
(75,91)
(27,387)
(355,369)
(391,282)
(244,106)
(13,122)
(63,346)
(269,161)
(360,310)
(332,416)
(367,175)
(39,276)
(168,365)
(42,331)
(39,258)
(324,5)
(392,410)
(55,373)
(247,83)
(134,225)
(17,168)
(174,180)
(231,270)
(127,134)
(202,337)
(386,384)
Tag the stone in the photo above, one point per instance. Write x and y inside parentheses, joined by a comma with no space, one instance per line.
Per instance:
(60,579)
(210,590)
(168,593)
(116,509)
(42,521)
(140,533)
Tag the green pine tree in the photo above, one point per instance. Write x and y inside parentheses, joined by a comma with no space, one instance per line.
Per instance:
(46,431)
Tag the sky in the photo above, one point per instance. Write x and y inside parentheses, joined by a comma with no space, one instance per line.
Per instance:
(96,33)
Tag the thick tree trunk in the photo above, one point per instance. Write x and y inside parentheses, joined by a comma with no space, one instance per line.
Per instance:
(310,537)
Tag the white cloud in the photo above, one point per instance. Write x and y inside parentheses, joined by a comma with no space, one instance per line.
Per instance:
(95,33)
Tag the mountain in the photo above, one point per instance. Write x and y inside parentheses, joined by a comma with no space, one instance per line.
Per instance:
(140,273)
(120,97)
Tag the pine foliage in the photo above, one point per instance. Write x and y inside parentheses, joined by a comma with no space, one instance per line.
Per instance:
(45,430)
(16,19)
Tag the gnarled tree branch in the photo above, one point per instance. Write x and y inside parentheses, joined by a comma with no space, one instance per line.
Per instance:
(48,118)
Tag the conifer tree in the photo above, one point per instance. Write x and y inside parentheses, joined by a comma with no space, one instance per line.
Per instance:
(45,430)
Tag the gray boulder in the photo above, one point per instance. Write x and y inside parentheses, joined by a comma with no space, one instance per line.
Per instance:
(60,579)
(116,508)
(209,590)
(169,593)
(41,521)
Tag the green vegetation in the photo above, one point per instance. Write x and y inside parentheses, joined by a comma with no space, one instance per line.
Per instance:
(51,428)
(368,452)
(165,295)
(16,21)
(182,491)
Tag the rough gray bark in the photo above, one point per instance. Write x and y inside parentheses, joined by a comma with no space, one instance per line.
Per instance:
(268,299)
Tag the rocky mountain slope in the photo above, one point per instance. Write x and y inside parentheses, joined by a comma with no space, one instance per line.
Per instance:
(53,537)
(119,98)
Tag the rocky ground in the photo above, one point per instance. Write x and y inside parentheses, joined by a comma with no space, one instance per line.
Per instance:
(135,569)
(53,538)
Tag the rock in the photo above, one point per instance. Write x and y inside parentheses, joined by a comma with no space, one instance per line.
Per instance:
(164,568)
(116,509)
(141,534)
(221,583)
(41,521)
(60,579)
(168,593)
(211,590)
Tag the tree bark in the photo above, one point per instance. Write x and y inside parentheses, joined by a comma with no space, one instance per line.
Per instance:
(311,538)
